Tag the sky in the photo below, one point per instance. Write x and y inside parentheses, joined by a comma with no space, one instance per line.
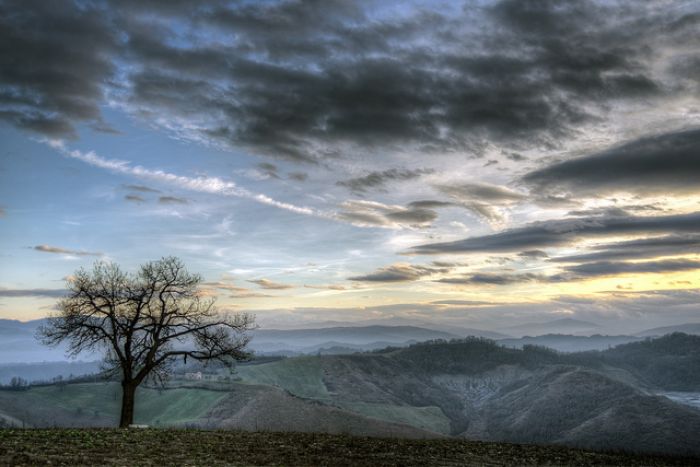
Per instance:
(470,163)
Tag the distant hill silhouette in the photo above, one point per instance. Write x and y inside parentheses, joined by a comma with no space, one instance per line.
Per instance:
(557,326)
(688,328)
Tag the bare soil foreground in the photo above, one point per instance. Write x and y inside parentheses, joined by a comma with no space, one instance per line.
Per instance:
(209,448)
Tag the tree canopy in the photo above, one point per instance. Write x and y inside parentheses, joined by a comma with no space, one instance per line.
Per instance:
(144,321)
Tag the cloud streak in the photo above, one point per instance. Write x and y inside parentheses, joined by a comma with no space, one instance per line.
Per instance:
(271,285)
(611,268)
(377,180)
(493,279)
(213,185)
(556,233)
(172,200)
(65,251)
(134,198)
(141,188)
(400,272)
(32,293)
(374,214)
(484,200)
(670,245)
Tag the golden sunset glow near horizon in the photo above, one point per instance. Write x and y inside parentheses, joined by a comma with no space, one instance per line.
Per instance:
(477,164)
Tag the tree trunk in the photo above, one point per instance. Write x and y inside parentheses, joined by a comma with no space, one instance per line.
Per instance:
(128,399)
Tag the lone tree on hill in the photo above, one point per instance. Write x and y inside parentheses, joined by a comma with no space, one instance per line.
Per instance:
(143,322)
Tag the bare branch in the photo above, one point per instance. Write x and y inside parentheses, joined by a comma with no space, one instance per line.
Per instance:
(144,321)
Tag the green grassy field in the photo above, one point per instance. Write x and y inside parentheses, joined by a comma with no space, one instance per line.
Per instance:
(166,407)
(150,447)
(97,404)
(302,376)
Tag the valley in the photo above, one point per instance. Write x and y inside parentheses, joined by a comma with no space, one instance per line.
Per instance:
(470,388)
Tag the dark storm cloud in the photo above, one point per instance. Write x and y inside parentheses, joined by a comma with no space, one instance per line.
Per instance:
(515,157)
(610,268)
(429,204)
(64,251)
(658,164)
(671,245)
(572,38)
(377,180)
(488,278)
(166,7)
(302,80)
(54,63)
(399,273)
(575,273)
(34,293)
(556,233)
(533,254)
(448,264)
(370,213)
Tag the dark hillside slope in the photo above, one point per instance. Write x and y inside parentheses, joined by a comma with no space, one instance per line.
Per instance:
(670,362)
(532,395)
(265,408)
(471,356)
(580,407)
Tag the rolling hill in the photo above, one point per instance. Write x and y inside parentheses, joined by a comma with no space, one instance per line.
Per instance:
(470,388)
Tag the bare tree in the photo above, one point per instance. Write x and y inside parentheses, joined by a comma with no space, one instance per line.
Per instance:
(143,322)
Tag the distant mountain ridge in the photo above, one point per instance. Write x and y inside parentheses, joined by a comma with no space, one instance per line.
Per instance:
(688,328)
(557,326)
(19,345)
(459,330)
(353,338)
